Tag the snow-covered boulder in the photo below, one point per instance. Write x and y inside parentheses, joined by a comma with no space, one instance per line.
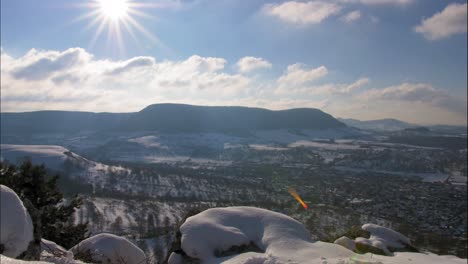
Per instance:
(346,242)
(384,239)
(211,236)
(16,228)
(226,235)
(110,249)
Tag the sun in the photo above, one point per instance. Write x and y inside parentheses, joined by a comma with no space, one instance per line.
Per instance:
(117,17)
(114,9)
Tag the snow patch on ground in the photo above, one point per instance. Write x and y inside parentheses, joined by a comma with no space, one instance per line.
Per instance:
(266,147)
(7,260)
(149,142)
(320,145)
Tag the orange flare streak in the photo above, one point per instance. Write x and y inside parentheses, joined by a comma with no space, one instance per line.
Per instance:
(298,198)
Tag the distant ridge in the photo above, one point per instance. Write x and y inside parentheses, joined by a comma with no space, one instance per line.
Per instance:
(386,124)
(393,125)
(170,118)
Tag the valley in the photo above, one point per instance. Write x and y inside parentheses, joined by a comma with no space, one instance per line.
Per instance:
(142,184)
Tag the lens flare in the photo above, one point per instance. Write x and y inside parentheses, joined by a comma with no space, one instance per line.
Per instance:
(298,198)
(118,17)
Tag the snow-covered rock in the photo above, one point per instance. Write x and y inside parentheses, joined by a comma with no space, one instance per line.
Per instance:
(383,238)
(51,252)
(210,236)
(15,223)
(346,242)
(53,248)
(108,248)
(279,237)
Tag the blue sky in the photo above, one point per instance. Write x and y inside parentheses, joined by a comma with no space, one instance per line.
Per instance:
(363,59)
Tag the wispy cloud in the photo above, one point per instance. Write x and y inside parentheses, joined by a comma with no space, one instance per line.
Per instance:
(450,21)
(302,13)
(379,2)
(351,16)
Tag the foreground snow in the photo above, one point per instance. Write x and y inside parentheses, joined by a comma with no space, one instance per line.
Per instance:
(108,248)
(214,236)
(7,260)
(15,223)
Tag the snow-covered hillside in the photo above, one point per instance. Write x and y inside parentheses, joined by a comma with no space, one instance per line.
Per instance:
(53,156)
(60,159)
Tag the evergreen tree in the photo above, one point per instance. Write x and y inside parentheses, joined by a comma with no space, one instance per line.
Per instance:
(51,214)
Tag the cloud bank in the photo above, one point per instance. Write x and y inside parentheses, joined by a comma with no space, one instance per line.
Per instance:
(75,79)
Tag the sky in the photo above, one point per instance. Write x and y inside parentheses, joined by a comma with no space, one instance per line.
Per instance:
(362,59)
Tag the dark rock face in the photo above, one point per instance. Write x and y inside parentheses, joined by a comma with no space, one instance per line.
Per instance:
(363,249)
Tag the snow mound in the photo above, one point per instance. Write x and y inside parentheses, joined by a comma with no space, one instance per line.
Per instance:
(282,239)
(383,238)
(15,223)
(108,248)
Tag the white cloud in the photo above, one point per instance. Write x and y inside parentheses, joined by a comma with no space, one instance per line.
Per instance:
(302,13)
(327,89)
(297,76)
(248,64)
(351,16)
(452,20)
(36,65)
(418,92)
(73,79)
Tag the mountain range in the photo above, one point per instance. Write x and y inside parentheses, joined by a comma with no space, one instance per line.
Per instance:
(170,118)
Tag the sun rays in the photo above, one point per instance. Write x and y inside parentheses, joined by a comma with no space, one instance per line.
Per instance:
(117,17)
